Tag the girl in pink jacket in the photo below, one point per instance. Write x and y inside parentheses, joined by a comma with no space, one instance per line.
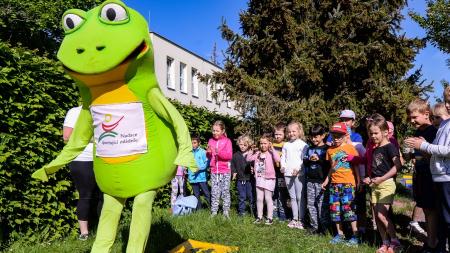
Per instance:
(264,171)
(219,153)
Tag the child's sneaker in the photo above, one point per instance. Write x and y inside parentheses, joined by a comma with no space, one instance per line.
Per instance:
(257,221)
(269,222)
(383,249)
(337,239)
(416,228)
(354,241)
(292,224)
(299,225)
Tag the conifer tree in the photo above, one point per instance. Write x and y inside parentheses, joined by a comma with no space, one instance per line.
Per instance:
(306,60)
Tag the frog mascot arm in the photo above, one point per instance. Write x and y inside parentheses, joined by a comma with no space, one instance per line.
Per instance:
(74,147)
(139,136)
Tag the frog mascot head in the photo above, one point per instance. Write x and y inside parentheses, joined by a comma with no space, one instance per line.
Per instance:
(139,136)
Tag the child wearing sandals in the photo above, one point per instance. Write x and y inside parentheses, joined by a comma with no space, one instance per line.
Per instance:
(385,164)
(264,169)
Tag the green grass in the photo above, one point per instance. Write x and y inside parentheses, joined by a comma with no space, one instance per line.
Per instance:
(168,231)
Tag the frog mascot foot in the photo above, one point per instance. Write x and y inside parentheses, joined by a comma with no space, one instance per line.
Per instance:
(139,228)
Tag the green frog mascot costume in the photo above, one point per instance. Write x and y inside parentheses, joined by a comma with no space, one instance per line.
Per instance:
(139,136)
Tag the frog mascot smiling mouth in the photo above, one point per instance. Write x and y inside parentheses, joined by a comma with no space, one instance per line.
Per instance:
(139,136)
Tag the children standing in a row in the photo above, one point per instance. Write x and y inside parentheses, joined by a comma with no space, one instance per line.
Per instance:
(294,174)
(220,152)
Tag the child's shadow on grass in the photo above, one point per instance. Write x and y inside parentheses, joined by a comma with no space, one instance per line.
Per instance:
(162,237)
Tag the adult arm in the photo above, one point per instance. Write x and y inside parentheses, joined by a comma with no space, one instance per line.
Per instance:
(437,150)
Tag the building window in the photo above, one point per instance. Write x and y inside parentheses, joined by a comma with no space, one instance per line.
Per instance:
(183,79)
(194,82)
(208,92)
(170,74)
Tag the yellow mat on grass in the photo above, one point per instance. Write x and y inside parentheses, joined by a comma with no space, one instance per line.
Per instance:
(191,246)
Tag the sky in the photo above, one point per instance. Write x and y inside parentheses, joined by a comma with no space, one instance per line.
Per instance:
(194,25)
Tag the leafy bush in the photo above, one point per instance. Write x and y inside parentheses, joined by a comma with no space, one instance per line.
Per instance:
(34,98)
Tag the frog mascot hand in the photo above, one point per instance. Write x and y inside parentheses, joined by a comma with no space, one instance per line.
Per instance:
(139,136)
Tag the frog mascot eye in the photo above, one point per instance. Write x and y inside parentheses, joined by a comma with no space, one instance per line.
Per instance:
(71,22)
(113,13)
(139,136)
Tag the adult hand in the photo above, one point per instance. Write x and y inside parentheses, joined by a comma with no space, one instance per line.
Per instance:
(413,142)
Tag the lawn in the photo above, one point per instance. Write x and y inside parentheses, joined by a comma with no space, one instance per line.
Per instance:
(168,231)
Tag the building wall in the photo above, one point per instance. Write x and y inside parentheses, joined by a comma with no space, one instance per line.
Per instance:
(165,49)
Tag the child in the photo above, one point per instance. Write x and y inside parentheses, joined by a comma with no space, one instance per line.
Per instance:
(264,170)
(220,152)
(294,174)
(241,170)
(424,190)
(439,113)
(349,118)
(177,185)
(343,183)
(198,180)
(447,98)
(385,164)
(440,151)
(280,195)
(317,168)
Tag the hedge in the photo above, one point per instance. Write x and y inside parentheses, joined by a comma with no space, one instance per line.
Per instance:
(35,95)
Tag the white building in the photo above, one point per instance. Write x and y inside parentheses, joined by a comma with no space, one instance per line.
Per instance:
(176,70)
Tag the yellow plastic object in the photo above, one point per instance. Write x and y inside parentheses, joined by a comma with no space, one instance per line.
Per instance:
(197,246)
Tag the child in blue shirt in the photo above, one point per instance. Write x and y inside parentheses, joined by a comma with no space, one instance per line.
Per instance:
(198,180)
